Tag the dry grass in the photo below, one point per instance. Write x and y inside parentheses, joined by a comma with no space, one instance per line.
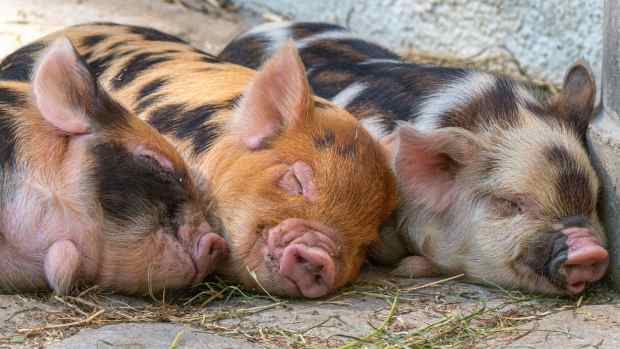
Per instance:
(210,307)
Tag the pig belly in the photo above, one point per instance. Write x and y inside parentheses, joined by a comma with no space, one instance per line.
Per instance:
(26,239)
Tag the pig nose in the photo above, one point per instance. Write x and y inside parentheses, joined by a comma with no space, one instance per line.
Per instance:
(310,268)
(577,257)
(587,260)
(205,247)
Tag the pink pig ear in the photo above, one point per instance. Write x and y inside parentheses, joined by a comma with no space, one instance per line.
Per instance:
(278,97)
(64,89)
(427,164)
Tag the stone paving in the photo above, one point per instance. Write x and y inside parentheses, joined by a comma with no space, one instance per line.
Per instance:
(378,311)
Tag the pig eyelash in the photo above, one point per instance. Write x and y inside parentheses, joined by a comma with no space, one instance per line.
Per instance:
(300,187)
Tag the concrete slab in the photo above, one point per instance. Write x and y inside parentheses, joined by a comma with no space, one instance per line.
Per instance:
(23,21)
(148,336)
(587,327)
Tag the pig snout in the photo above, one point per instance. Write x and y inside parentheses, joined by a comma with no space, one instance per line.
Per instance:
(577,256)
(205,248)
(304,254)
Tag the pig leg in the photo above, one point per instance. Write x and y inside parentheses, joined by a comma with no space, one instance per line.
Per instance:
(390,248)
(61,265)
(415,267)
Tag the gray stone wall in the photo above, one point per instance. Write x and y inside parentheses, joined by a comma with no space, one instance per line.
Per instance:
(604,136)
(545,36)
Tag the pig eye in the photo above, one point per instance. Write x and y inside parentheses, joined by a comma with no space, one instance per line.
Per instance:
(507,208)
(162,170)
(154,163)
(290,183)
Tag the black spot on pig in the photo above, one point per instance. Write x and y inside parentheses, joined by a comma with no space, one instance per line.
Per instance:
(151,88)
(8,98)
(11,97)
(164,119)
(572,185)
(19,64)
(147,102)
(135,66)
(248,52)
(131,186)
(324,140)
(302,30)
(154,35)
(92,40)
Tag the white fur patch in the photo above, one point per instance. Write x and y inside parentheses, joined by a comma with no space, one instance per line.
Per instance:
(374,126)
(329,35)
(381,60)
(455,93)
(260,30)
(276,34)
(348,94)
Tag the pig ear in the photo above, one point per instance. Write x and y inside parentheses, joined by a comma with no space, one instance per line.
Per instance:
(65,91)
(278,97)
(575,104)
(427,164)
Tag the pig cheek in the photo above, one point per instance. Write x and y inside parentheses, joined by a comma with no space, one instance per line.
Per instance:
(172,267)
(152,264)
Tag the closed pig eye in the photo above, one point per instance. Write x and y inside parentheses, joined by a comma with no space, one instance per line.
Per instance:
(507,207)
(290,183)
(299,180)
(163,170)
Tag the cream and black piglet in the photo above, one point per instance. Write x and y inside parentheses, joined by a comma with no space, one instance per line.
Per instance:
(495,182)
(90,194)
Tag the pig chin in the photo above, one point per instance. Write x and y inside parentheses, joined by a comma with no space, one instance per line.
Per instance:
(166,258)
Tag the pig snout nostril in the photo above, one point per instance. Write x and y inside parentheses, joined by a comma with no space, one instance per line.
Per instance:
(315,269)
(212,250)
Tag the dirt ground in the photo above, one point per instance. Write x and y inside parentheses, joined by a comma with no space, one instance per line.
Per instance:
(378,311)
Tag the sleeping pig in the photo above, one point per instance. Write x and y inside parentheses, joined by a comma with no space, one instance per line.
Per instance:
(90,194)
(495,182)
(299,187)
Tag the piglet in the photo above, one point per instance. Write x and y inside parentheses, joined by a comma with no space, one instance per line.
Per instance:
(90,194)
(495,181)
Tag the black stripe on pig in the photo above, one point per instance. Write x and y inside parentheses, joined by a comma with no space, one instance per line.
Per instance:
(19,64)
(131,186)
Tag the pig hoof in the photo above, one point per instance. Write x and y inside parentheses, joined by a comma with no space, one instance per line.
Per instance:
(61,265)
(311,269)
(415,267)
(210,249)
